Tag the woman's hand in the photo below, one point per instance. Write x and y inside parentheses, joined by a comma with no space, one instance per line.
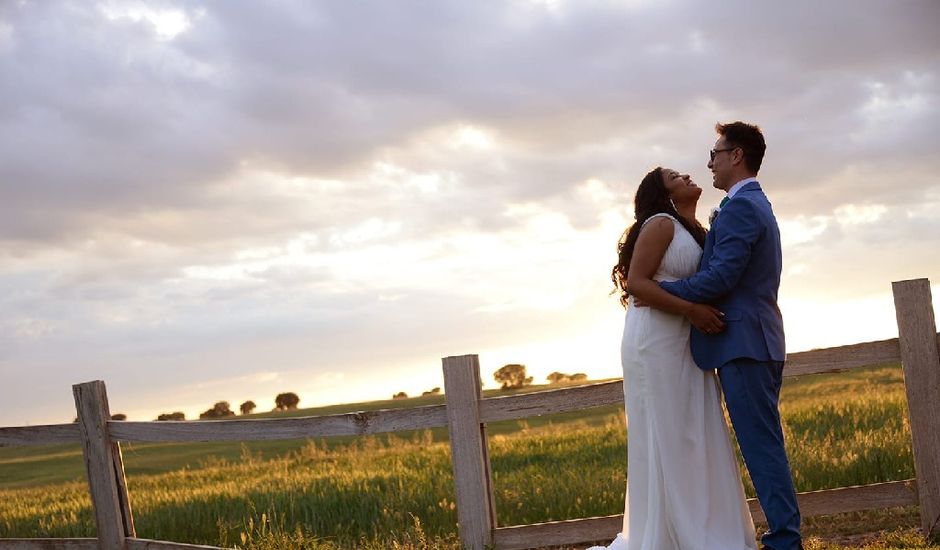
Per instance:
(706,318)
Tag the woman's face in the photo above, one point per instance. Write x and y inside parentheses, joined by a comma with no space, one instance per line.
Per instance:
(680,187)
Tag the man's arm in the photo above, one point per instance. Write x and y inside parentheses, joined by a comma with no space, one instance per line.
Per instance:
(648,253)
(739,230)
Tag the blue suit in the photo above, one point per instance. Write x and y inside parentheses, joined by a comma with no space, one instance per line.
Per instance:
(740,274)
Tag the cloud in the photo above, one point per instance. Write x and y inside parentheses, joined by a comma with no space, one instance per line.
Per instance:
(190,193)
(99,135)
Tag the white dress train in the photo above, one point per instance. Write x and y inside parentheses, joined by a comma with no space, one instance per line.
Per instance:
(684,489)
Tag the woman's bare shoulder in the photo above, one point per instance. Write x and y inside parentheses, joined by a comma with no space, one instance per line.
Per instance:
(660,226)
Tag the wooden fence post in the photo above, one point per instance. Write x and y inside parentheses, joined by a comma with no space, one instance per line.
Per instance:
(105,467)
(476,513)
(917,333)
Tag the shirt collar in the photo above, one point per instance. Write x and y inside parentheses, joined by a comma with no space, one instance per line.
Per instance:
(737,187)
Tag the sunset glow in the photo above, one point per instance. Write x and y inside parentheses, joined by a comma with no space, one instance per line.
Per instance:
(233,201)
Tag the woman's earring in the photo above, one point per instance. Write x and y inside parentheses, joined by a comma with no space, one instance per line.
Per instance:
(673,205)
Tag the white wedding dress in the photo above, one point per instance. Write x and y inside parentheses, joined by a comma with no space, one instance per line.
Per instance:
(684,489)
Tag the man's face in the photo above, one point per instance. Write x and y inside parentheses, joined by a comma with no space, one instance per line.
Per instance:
(720,164)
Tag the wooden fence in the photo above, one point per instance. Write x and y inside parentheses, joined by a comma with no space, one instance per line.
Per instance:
(466,414)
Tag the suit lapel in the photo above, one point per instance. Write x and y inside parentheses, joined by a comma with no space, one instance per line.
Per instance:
(710,238)
(707,250)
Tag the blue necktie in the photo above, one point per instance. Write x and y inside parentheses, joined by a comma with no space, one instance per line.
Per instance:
(723,201)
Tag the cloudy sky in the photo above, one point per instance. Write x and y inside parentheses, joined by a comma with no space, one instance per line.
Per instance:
(205,201)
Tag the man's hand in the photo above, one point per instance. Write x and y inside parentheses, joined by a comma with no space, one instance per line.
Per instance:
(706,318)
(639,303)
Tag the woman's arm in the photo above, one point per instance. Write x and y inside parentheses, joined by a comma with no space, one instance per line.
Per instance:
(648,253)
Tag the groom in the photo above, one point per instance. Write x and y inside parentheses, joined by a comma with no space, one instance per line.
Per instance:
(740,274)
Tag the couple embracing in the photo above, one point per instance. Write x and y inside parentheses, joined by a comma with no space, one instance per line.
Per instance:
(702,321)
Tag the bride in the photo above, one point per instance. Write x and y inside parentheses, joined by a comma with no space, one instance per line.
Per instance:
(684,488)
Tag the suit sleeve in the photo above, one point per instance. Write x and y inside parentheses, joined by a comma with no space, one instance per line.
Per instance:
(735,237)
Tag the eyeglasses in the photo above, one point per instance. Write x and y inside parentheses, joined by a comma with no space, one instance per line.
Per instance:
(714,152)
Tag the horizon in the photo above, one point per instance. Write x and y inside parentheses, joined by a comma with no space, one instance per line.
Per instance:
(227,202)
(489,385)
(299,408)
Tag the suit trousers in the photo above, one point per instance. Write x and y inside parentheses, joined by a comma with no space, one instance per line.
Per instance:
(752,390)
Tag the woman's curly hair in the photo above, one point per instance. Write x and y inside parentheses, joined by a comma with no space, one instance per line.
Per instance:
(651,198)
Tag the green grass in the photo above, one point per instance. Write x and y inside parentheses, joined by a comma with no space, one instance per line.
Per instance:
(48,464)
(381,491)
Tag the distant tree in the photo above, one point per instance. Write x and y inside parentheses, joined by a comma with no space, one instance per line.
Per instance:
(558,377)
(247,407)
(512,376)
(432,391)
(285,401)
(219,410)
(119,416)
(400,395)
(171,416)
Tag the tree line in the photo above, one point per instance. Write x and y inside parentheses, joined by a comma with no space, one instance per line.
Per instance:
(283,402)
(513,376)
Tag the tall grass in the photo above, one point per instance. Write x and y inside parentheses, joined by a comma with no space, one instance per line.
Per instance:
(378,491)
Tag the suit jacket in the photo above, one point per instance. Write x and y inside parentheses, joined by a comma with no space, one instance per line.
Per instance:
(739,274)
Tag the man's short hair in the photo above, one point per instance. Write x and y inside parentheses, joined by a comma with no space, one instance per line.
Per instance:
(749,138)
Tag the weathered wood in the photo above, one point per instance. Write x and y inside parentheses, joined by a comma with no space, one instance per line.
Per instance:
(842,357)
(561,400)
(605,528)
(557,533)
(920,358)
(49,544)
(476,514)
(850,499)
(127,516)
(147,544)
(111,506)
(358,423)
(39,435)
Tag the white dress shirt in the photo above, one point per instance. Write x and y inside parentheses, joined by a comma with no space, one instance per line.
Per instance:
(736,187)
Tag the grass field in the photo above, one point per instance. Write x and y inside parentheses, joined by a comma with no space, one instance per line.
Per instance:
(381,491)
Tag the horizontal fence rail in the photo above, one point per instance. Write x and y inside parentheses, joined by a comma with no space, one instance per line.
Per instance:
(492,409)
(49,544)
(357,423)
(813,503)
(92,544)
(39,435)
(917,349)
